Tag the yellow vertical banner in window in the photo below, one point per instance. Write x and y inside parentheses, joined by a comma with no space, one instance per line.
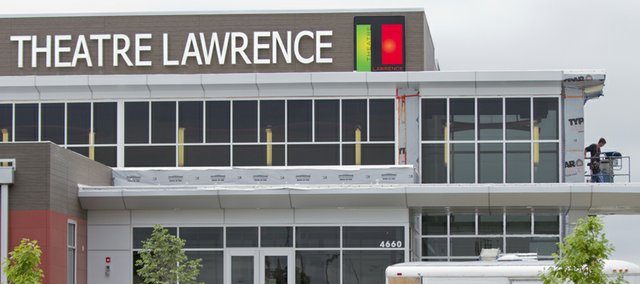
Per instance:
(446,145)
(358,158)
(92,149)
(536,144)
(269,135)
(181,147)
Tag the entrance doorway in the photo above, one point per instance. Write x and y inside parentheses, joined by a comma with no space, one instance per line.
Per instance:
(249,266)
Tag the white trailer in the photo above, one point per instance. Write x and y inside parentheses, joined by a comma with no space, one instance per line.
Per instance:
(484,272)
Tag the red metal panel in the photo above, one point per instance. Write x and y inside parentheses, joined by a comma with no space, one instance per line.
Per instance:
(392,44)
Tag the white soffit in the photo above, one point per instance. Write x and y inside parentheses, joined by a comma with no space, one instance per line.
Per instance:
(230,85)
(119,86)
(175,86)
(75,87)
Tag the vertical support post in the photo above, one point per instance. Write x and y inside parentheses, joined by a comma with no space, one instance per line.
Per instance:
(5,139)
(92,149)
(181,147)
(446,145)
(269,135)
(358,158)
(536,145)
(4,199)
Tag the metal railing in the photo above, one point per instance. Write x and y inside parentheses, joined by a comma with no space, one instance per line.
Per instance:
(610,168)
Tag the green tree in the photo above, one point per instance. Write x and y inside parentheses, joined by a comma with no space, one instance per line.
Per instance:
(582,256)
(22,266)
(162,260)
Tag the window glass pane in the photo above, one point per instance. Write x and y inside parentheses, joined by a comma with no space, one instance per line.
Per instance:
(317,237)
(156,156)
(462,119)
(136,278)
(434,119)
(373,237)
(463,224)
(368,266)
(490,163)
(463,163)
(518,119)
(518,162)
(434,247)
(71,235)
(546,168)
(434,224)
(202,237)
(272,114)
(142,234)
(245,121)
(545,116)
(6,119)
(299,121)
(309,155)
(218,121)
(275,269)
(518,224)
(381,116)
(106,155)
(256,155)
(52,123)
(473,246)
(27,122)
(136,122)
(372,154)
(105,121)
(434,170)
(490,119)
(276,236)
(542,246)
(84,151)
(190,118)
(354,114)
(547,224)
(242,269)
(78,123)
(212,266)
(242,237)
(490,224)
(318,267)
(326,120)
(206,156)
(163,122)
(71,266)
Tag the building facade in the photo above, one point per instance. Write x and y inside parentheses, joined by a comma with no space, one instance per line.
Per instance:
(288,147)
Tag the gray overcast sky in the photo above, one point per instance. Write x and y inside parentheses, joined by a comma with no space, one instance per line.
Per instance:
(488,35)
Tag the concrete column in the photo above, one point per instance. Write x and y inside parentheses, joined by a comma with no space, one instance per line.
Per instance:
(4,224)
(570,220)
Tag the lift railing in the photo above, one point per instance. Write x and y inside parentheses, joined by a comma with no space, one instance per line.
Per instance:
(611,167)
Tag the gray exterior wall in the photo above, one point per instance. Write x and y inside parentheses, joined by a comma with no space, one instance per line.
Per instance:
(47,177)
(178,27)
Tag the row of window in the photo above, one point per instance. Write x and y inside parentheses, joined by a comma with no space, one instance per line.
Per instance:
(490,119)
(272,237)
(329,254)
(462,236)
(515,162)
(311,266)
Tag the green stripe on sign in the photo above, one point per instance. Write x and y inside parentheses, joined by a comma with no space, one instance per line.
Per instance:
(363,48)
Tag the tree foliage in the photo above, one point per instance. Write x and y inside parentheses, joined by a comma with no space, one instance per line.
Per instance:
(23,264)
(162,260)
(582,256)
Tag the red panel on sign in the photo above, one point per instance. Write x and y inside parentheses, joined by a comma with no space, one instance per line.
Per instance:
(392,44)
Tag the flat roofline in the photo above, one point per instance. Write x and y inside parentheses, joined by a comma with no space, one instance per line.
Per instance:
(221,12)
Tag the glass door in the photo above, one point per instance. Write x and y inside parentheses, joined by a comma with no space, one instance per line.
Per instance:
(241,267)
(259,266)
(276,267)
